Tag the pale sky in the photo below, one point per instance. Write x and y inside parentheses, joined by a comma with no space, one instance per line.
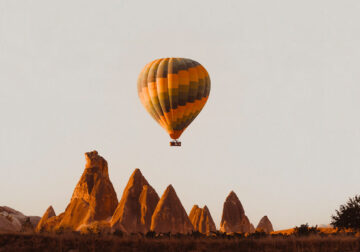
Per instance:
(281,127)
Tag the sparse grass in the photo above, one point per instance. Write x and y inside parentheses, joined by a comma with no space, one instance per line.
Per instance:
(273,243)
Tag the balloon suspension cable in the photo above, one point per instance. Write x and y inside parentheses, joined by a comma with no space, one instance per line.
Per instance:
(175,143)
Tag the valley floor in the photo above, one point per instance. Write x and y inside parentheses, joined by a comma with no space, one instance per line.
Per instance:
(76,242)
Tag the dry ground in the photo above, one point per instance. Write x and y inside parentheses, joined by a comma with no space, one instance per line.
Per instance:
(75,242)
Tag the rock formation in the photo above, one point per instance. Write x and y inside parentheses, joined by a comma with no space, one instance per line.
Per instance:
(136,206)
(27,226)
(202,220)
(170,215)
(94,198)
(252,228)
(42,225)
(8,223)
(34,220)
(94,208)
(52,223)
(265,225)
(233,217)
(15,221)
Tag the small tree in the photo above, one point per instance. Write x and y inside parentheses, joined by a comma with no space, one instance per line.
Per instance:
(348,216)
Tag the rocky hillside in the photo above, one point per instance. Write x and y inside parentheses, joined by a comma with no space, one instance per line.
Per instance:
(12,220)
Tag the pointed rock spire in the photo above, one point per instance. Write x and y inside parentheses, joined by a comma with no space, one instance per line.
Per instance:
(170,215)
(41,226)
(233,217)
(265,225)
(201,219)
(94,197)
(136,206)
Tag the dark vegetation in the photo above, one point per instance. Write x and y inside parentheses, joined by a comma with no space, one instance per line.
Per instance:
(304,239)
(348,215)
(305,230)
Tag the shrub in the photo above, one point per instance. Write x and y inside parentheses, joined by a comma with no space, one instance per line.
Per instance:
(305,230)
(258,234)
(150,234)
(196,234)
(118,233)
(60,230)
(239,235)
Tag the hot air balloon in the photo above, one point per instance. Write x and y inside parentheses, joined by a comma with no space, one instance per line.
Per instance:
(174,91)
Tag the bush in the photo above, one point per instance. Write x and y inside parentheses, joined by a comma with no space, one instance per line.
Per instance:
(60,230)
(305,230)
(258,234)
(150,234)
(196,234)
(118,233)
(348,215)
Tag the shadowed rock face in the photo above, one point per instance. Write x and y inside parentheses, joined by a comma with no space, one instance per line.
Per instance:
(34,220)
(252,228)
(265,225)
(94,197)
(201,219)
(15,221)
(170,215)
(42,225)
(136,206)
(10,219)
(233,217)
(7,224)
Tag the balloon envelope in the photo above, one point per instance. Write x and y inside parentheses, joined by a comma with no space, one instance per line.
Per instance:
(174,91)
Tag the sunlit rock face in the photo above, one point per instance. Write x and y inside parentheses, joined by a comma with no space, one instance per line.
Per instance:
(170,215)
(42,225)
(201,219)
(265,225)
(134,211)
(94,197)
(233,217)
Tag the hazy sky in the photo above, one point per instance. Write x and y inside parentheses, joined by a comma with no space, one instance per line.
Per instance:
(281,127)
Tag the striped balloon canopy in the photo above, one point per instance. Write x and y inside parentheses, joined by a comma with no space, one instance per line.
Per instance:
(174,91)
